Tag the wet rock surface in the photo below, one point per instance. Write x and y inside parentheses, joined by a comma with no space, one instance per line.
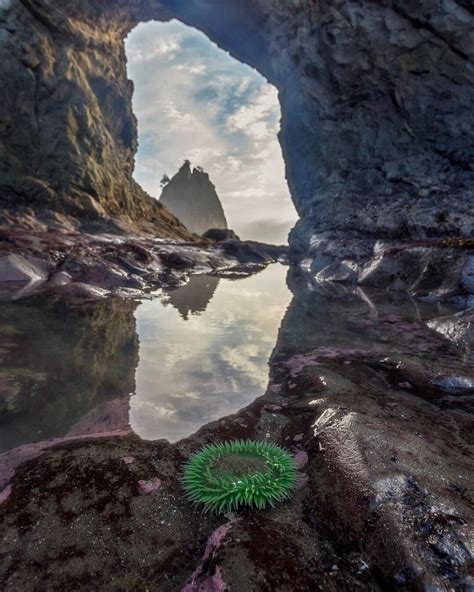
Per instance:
(375,405)
(458,327)
(436,270)
(82,266)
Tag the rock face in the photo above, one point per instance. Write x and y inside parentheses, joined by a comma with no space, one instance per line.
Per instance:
(438,270)
(192,198)
(67,132)
(376,108)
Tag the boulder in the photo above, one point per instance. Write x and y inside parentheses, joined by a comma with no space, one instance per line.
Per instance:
(220,234)
(17,268)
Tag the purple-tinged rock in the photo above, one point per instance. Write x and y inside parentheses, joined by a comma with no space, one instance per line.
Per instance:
(149,486)
(301,458)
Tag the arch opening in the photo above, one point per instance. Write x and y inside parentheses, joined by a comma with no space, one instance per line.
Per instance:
(194,101)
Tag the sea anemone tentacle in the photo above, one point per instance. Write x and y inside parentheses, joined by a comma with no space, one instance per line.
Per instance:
(272,477)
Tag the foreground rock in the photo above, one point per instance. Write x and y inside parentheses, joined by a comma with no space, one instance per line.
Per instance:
(96,266)
(458,327)
(436,270)
(377,409)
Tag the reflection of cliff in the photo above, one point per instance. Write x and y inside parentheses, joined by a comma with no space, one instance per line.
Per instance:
(60,365)
(195,296)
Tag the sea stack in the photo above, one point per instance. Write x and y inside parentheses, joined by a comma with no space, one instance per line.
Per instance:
(191,196)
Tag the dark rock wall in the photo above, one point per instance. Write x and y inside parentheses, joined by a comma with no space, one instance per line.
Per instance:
(193,199)
(67,132)
(376,106)
(87,358)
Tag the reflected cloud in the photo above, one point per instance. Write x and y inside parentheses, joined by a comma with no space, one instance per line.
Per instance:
(211,365)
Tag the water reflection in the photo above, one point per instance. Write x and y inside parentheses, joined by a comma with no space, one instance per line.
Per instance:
(212,365)
(201,353)
(194,297)
(59,364)
(71,370)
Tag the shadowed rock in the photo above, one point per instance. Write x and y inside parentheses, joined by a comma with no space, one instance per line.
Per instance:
(220,234)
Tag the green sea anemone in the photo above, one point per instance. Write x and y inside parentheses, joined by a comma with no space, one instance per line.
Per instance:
(243,472)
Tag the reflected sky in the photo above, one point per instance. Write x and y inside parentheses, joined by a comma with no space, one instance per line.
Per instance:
(214,363)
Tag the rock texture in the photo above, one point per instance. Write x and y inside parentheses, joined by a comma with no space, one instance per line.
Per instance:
(437,270)
(82,266)
(458,327)
(385,456)
(376,108)
(67,131)
(192,198)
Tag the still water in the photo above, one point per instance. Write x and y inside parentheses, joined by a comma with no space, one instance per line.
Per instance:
(204,352)
(165,366)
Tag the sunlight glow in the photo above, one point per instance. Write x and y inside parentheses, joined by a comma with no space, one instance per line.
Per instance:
(195,101)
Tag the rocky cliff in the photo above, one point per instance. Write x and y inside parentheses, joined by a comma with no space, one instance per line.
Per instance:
(67,132)
(192,198)
(376,108)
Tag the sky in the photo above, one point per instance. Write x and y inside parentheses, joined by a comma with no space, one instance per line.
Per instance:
(194,101)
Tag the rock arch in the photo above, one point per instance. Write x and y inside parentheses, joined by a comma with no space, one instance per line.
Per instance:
(376,103)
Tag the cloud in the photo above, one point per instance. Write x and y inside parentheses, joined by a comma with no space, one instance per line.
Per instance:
(140,52)
(257,118)
(193,100)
